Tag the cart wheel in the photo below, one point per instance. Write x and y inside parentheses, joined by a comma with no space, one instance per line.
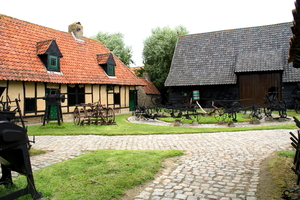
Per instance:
(268,112)
(219,115)
(231,117)
(195,117)
(76,117)
(110,116)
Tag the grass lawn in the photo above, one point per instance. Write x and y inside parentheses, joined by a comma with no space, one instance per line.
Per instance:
(125,127)
(102,174)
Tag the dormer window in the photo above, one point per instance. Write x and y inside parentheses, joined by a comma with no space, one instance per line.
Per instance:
(53,63)
(107,62)
(49,54)
(110,70)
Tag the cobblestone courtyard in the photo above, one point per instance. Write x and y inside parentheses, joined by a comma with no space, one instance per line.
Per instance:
(221,166)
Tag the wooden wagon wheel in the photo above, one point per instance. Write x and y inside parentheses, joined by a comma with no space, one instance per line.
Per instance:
(110,116)
(76,116)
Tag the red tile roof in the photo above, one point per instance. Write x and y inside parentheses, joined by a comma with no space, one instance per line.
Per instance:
(43,46)
(102,58)
(149,88)
(21,42)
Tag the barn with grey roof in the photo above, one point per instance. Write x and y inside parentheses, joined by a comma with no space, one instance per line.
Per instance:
(233,64)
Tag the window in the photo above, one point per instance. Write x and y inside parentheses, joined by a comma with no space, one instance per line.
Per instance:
(107,62)
(30,104)
(76,95)
(110,70)
(53,63)
(117,98)
(50,56)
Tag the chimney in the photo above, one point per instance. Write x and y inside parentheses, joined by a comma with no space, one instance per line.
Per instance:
(146,75)
(77,30)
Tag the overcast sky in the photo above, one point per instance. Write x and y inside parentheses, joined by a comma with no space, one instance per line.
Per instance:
(135,18)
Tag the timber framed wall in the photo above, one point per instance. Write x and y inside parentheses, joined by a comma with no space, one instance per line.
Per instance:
(31,96)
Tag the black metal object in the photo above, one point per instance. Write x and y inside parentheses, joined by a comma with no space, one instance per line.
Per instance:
(14,150)
(273,104)
(226,110)
(286,193)
(53,98)
(10,110)
(296,101)
(144,112)
(296,168)
(188,111)
(14,156)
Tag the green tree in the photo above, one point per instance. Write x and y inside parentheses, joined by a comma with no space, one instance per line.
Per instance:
(158,53)
(115,43)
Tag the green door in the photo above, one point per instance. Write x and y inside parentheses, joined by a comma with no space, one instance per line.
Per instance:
(132,99)
(53,112)
(53,115)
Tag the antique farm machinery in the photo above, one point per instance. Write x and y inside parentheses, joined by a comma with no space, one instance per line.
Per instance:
(93,113)
(223,111)
(226,110)
(53,99)
(14,149)
(273,104)
(296,100)
(296,164)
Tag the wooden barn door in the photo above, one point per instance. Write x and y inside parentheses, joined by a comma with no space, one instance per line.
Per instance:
(256,86)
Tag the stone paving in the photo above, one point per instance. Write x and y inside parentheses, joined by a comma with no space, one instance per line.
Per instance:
(221,166)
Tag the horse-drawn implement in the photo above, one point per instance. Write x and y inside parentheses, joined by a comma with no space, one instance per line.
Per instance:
(226,110)
(93,113)
(222,110)
(273,104)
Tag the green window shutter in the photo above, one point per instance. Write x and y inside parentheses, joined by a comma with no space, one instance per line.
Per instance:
(53,63)
(110,70)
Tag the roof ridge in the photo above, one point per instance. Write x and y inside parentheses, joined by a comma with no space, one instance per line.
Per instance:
(46,40)
(234,29)
(2,15)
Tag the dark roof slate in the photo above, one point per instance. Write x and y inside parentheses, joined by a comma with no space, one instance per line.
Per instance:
(213,58)
(259,61)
